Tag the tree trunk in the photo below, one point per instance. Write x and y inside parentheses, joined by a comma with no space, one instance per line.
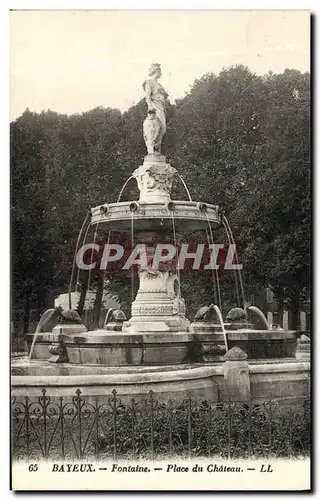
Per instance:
(295,308)
(279,296)
(280,311)
(98,301)
(26,315)
(83,294)
(40,303)
(122,289)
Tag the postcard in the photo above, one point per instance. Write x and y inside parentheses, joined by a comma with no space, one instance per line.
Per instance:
(160,235)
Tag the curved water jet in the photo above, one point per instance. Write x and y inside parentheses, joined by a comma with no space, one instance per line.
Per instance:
(259,313)
(185,185)
(216,308)
(75,256)
(48,314)
(123,187)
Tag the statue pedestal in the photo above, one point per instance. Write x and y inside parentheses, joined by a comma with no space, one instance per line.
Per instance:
(158,306)
(155,179)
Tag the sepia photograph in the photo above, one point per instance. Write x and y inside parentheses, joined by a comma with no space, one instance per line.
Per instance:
(160,222)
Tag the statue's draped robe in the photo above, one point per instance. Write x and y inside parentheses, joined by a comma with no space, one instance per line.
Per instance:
(157,95)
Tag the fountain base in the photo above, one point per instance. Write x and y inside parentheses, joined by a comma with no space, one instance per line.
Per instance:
(133,349)
(269,379)
(139,346)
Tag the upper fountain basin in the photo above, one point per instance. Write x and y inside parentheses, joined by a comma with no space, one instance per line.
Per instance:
(150,216)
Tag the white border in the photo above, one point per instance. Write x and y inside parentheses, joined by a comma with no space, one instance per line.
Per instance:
(4,198)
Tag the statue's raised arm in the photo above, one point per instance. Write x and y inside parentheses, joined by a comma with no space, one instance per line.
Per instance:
(154,126)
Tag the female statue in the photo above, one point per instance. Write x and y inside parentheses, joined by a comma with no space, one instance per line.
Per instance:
(154,126)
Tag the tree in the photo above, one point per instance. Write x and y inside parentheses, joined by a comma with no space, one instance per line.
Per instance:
(31,271)
(275,211)
(238,139)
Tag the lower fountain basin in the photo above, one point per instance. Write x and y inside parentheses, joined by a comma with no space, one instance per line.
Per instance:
(257,344)
(120,349)
(105,348)
(273,379)
(156,216)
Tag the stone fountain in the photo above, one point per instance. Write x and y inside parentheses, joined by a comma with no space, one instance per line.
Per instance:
(157,348)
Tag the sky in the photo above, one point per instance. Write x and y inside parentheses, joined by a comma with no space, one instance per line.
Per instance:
(74,61)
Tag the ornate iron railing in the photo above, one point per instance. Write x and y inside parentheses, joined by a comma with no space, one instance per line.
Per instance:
(58,428)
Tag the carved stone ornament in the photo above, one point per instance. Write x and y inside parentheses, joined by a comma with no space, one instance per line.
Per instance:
(155,181)
(58,353)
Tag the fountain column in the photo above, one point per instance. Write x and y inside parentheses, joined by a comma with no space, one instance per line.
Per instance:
(158,306)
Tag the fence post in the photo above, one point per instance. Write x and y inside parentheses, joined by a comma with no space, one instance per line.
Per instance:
(61,416)
(236,375)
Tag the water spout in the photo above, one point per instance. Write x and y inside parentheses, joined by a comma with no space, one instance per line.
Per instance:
(212,272)
(235,271)
(123,188)
(215,257)
(89,278)
(230,235)
(134,206)
(47,314)
(185,186)
(170,206)
(109,312)
(132,247)
(83,243)
(105,270)
(216,308)
(104,209)
(175,246)
(74,258)
(259,313)
(202,207)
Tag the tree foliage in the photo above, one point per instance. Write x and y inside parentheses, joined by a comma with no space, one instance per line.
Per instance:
(238,139)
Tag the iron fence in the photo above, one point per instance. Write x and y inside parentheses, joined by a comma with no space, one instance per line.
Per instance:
(69,428)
